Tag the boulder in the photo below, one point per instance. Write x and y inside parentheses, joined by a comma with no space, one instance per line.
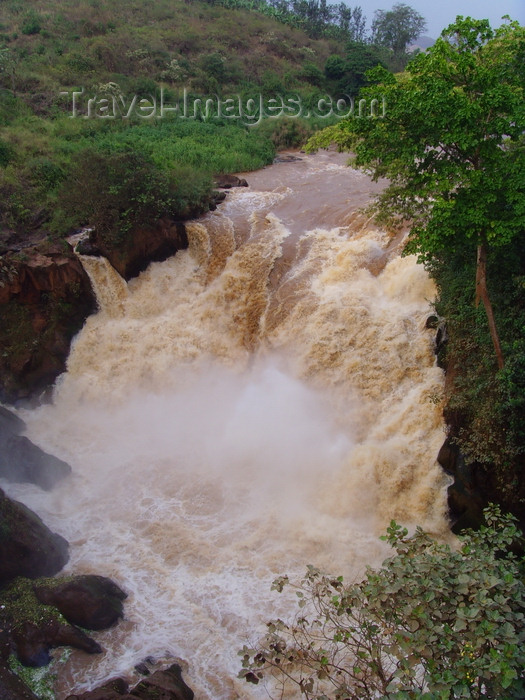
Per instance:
(143,245)
(10,423)
(27,546)
(115,689)
(45,297)
(32,640)
(92,602)
(161,685)
(286,158)
(22,461)
(34,628)
(228,181)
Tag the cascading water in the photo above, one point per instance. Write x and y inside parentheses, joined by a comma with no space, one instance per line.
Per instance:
(262,401)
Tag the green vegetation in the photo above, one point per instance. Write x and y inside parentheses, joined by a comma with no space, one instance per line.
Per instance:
(153,53)
(485,408)
(433,623)
(39,680)
(21,606)
(396,29)
(452,148)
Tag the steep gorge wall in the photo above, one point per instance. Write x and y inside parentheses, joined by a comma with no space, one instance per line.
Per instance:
(45,297)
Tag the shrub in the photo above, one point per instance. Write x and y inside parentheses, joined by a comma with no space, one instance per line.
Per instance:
(120,191)
(32,24)
(433,623)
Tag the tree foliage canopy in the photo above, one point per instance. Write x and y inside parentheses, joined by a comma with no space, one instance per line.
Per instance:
(398,27)
(433,623)
(451,141)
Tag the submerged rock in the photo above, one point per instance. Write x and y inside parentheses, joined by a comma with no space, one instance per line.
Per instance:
(161,685)
(286,158)
(164,685)
(27,546)
(228,181)
(92,602)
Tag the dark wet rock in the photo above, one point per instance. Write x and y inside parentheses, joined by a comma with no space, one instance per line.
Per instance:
(115,689)
(10,423)
(227,181)
(22,461)
(34,629)
(143,245)
(219,197)
(143,669)
(27,546)
(161,685)
(464,495)
(448,456)
(12,687)
(45,297)
(87,247)
(286,158)
(92,602)
(432,322)
(33,640)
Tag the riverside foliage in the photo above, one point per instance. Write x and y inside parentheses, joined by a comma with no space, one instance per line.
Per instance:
(433,623)
(452,148)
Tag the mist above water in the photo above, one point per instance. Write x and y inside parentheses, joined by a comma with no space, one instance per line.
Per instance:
(260,402)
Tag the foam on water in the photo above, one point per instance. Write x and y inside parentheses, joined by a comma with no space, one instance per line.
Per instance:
(260,402)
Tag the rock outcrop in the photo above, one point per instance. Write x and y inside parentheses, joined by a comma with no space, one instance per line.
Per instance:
(27,546)
(161,685)
(12,688)
(44,614)
(22,461)
(227,181)
(141,246)
(92,602)
(45,297)
(33,629)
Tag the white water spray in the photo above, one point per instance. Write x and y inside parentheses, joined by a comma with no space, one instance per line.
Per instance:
(260,402)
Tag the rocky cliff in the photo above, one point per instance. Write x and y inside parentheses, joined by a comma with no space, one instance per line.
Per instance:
(45,297)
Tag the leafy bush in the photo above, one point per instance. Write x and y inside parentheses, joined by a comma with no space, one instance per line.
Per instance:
(32,24)
(117,192)
(433,623)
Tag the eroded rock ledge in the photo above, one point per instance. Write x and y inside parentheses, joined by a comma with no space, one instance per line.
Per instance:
(161,685)
(45,297)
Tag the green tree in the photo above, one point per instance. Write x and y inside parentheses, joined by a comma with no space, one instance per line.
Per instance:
(434,623)
(396,29)
(449,145)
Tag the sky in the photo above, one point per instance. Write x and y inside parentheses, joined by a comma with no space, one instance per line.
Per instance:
(440,13)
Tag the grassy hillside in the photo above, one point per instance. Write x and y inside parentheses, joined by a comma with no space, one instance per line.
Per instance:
(121,49)
(141,43)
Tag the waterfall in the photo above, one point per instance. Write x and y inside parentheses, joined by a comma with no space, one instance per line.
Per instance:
(265,400)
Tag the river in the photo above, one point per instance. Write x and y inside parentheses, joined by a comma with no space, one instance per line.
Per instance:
(265,400)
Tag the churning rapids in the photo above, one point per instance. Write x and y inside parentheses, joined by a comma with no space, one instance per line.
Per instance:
(264,400)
